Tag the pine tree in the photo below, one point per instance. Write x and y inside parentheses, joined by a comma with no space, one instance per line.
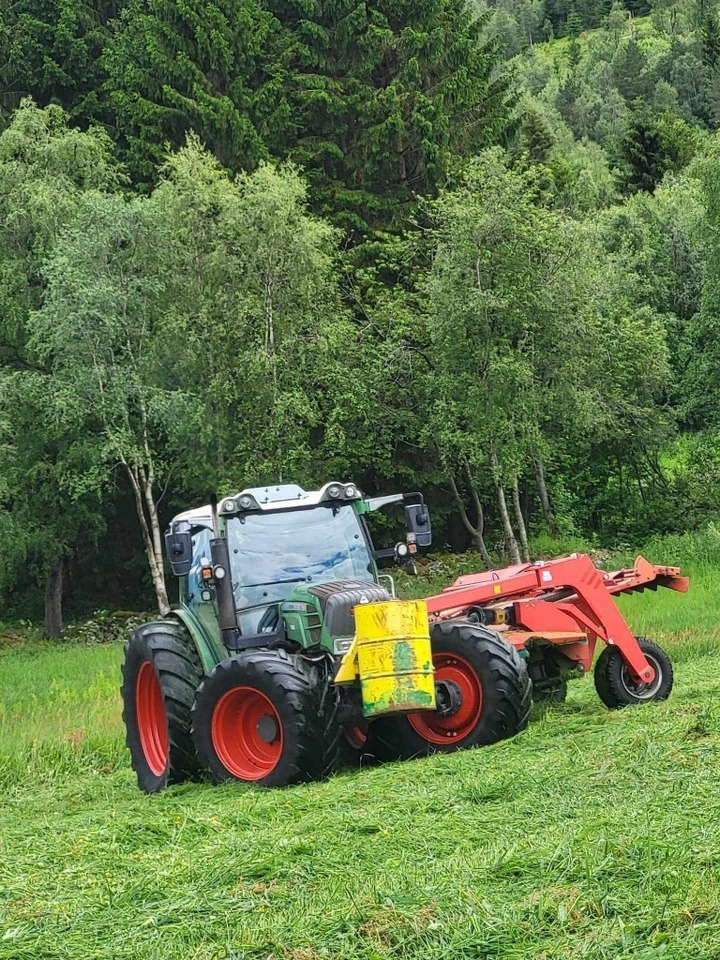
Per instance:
(592,12)
(616,23)
(710,34)
(574,25)
(638,8)
(51,50)
(643,152)
(535,135)
(382,96)
(574,28)
(180,65)
(629,71)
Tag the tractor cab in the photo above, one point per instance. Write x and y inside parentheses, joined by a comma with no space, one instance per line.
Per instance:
(260,556)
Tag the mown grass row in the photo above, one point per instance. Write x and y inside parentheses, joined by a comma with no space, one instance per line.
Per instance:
(592,835)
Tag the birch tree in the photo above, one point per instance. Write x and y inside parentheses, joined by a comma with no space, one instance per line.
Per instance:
(47,503)
(255,302)
(100,331)
(197,331)
(486,292)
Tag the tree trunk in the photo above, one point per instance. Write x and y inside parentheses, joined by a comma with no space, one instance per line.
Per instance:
(53,599)
(400,151)
(478,531)
(150,529)
(522,529)
(156,539)
(544,498)
(508,531)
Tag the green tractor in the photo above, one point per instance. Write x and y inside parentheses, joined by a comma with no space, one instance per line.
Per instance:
(288,653)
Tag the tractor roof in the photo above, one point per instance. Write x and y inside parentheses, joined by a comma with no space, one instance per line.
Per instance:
(286,496)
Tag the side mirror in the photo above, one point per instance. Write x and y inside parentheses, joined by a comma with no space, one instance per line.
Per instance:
(179,548)
(417,520)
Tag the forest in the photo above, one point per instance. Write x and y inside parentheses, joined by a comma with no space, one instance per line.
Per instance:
(469,249)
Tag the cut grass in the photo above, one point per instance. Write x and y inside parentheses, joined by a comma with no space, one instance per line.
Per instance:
(592,835)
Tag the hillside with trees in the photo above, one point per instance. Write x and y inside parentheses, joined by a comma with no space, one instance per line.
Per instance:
(473,250)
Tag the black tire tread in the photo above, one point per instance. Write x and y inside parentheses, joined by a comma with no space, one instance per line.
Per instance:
(606,675)
(314,715)
(169,647)
(509,695)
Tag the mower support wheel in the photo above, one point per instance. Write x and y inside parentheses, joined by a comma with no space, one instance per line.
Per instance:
(495,696)
(617,688)
(260,717)
(160,675)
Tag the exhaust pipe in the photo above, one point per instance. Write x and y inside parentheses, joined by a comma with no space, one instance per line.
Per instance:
(220,555)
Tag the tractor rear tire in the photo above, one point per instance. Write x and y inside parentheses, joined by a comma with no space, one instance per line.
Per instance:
(615,685)
(496,696)
(266,718)
(160,675)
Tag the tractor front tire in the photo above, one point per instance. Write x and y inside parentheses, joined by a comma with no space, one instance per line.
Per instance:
(496,696)
(261,717)
(615,685)
(160,675)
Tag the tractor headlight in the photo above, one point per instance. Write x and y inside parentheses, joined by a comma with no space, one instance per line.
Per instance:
(334,491)
(228,506)
(351,491)
(247,502)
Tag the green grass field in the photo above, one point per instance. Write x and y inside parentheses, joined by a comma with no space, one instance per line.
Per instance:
(592,835)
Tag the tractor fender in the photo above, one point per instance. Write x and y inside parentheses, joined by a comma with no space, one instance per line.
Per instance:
(210,649)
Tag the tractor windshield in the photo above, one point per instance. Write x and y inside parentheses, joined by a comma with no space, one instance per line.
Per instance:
(271,553)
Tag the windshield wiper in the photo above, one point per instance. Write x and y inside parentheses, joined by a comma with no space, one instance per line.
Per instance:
(271,583)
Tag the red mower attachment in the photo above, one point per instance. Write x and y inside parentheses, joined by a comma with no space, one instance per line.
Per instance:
(554,612)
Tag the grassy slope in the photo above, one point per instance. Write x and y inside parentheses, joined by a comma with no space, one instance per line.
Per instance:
(592,835)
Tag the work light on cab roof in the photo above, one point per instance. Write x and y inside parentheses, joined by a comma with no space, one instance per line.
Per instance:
(286,496)
(288,652)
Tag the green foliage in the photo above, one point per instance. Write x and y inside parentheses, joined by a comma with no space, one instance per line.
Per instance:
(254,315)
(176,67)
(48,490)
(703,381)
(105,627)
(481,315)
(383,97)
(538,347)
(644,152)
(710,34)
(51,50)
(488,294)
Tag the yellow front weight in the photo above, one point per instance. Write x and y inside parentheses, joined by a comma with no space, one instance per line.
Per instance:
(391,655)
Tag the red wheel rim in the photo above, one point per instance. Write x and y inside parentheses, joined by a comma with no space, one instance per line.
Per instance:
(151,719)
(453,729)
(247,733)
